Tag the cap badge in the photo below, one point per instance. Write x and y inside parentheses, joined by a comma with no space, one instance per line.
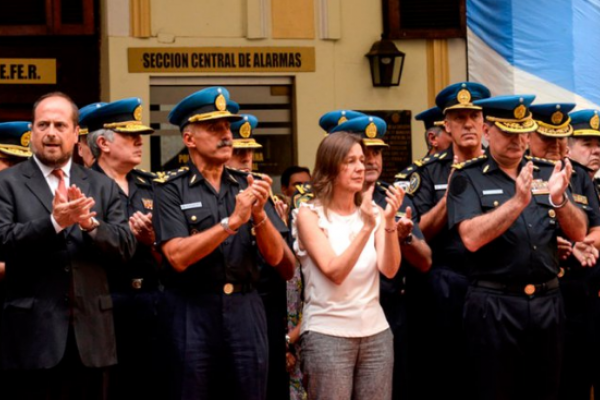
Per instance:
(557,117)
(520,111)
(371,130)
(464,97)
(25,139)
(342,120)
(595,121)
(245,130)
(137,113)
(221,103)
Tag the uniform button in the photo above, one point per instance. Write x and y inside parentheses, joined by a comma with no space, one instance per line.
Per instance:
(67,269)
(534,247)
(496,203)
(531,226)
(552,213)
(194,218)
(402,292)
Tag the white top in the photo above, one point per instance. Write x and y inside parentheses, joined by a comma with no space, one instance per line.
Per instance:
(352,308)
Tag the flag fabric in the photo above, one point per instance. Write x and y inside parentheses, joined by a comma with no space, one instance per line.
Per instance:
(550,48)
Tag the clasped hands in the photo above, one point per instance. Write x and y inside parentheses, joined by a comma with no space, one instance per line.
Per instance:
(76,208)
(251,202)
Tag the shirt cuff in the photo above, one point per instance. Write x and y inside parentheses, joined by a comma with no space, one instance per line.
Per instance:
(57,227)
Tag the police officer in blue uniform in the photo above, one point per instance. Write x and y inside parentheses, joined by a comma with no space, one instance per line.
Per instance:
(271,285)
(14,143)
(415,252)
(115,140)
(84,153)
(549,141)
(210,223)
(436,137)
(507,211)
(584,148)
(447,278)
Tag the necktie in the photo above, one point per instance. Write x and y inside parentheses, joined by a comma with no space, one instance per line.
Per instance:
(62,188)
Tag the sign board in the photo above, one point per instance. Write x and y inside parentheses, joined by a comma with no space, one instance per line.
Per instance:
(221,59)
(27,71)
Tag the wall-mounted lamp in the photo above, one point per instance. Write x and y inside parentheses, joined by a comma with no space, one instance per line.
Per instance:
(386,63)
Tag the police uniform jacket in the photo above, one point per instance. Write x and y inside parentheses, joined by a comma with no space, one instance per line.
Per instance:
(186,204)
(51,276)
(427,187)
(143,265)
(394,286)
(527,251)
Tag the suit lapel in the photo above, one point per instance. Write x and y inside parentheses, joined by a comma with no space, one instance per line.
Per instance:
(36,182)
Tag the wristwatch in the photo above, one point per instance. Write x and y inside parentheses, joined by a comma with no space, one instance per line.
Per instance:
(225,226)
(95,224)
(408,239)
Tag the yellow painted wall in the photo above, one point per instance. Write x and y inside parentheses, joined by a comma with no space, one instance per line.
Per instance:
(342,78)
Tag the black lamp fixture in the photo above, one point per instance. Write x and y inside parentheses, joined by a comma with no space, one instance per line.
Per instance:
(386,63)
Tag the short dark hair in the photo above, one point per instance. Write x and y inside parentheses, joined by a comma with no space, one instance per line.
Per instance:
(289,171)
(74,114)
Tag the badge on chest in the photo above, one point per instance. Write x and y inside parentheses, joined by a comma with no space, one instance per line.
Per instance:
(539,186)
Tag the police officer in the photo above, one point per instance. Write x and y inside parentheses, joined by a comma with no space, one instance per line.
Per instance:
(83,150)
(14,148)
(549,141)
(415,251)
(436,136)
(584,148)
(507,212)
(210,223)
(115,141)
(584,144)
(14,143)
(271,285)
(447,278)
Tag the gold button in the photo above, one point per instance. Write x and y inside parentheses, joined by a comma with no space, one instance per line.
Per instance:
(561,272)
(496,203)
(529,289)
(552,213)
(228,288)
(194,218)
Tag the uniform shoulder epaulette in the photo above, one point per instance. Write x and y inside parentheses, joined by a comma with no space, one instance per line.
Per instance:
(541,161)
(381,186)
(470,163)
(405,173)
(144,177)
(163,177)
(442,155)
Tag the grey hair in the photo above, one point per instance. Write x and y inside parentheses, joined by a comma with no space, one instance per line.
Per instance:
(437,130)
(92,140)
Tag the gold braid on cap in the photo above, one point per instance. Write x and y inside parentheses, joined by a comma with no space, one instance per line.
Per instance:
(549,129)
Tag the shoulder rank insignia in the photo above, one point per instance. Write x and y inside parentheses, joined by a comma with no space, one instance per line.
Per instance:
(541,161)
(471,162)
(170,175)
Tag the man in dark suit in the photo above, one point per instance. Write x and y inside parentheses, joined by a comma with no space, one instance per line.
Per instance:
(60,225)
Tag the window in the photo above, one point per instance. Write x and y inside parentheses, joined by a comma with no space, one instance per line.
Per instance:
(47,17)
(424,19)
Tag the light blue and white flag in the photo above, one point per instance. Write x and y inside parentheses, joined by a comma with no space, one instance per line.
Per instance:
(550,48)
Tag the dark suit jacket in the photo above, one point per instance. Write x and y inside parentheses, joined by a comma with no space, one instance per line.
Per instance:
(50,275)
